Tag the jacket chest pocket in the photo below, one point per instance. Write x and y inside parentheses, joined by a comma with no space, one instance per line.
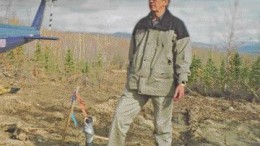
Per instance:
(167,39)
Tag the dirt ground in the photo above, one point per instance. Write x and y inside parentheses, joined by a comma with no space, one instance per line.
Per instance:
(36,115)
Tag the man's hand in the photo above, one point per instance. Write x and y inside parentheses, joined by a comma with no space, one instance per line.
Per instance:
(179,92)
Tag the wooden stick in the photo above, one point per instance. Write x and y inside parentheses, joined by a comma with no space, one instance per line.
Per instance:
(68,122)
(101,137)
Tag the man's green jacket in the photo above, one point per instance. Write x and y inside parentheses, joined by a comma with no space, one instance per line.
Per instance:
(159,56)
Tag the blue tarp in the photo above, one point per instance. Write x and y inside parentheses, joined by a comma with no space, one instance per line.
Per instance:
(15,31)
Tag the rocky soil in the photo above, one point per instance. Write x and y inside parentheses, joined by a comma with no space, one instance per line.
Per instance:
(36,115)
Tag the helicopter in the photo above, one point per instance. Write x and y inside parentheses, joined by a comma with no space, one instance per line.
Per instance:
(12,36)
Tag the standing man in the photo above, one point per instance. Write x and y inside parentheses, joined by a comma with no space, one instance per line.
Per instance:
(159,61)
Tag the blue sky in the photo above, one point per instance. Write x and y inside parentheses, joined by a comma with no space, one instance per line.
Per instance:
(206,20)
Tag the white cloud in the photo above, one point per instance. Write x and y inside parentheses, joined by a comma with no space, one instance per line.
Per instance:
(203,18)
(97,5)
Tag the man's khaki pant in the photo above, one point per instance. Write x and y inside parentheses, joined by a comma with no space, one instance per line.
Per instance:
(128,108)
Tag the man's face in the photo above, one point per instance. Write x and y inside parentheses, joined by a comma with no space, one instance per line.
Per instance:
(157,5)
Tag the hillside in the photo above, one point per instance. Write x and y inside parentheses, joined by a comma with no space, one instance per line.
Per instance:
(37,113)
(37,80)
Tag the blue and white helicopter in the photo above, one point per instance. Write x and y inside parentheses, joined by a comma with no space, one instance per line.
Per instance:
(12,36)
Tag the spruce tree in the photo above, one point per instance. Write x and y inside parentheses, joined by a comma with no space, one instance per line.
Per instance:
(222,71)
(47,59)
(38,56)
(69,62)
(210,73)
(236,66)
(223,76)
(19,56)
(86,68)
(245,74)
(10,55)
(100,59)
(255,74)
(196,68)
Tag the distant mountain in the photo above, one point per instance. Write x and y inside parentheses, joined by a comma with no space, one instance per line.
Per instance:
(122,35)
(200,45)
(248,48)
(252,48)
